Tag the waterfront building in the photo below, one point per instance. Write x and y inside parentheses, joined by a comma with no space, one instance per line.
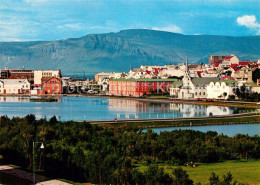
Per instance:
(39,74)
(191,87)
(51,85)
(139,87)
(220,89)
(14,86)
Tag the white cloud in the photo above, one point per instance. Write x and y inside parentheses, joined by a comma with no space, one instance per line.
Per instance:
(249,21)
(169,28)
(72,26)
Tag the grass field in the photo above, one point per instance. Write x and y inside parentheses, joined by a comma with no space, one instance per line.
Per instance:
(247,172)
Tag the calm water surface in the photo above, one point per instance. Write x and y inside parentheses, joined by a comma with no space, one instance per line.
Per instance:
(229,130)
(92,108)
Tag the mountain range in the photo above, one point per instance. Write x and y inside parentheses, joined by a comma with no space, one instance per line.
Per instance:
(124,50)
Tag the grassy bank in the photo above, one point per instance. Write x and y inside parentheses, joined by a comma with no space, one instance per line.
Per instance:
(243,171)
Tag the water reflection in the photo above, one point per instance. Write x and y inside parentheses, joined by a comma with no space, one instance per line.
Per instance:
(14,99)
(145,109)
(90,108)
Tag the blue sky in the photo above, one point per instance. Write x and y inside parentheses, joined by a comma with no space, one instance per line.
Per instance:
(25,20)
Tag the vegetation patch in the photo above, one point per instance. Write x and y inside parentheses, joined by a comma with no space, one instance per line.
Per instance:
(81,152)
(43,100)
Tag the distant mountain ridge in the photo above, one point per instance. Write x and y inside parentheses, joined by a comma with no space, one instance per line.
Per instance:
(120,51)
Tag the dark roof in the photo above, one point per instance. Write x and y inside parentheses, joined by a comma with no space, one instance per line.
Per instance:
(204,81)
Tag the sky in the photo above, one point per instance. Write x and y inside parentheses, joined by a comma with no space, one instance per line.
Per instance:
(29,20)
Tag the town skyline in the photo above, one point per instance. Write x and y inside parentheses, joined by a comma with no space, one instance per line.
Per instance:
(32,20)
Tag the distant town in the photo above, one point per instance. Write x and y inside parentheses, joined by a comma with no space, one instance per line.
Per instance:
(224,77)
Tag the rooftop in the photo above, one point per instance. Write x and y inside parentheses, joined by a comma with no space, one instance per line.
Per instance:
(146,79)
(204,81)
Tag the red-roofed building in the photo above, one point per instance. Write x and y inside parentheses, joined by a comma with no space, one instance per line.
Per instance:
(247,63)
(234,65)
(229,60)
(216,64)
(51,85)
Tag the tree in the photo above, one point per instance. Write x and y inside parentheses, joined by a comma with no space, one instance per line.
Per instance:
(214,179)
(181,177)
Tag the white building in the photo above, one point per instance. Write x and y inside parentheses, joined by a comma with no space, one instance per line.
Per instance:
(14,86)
(39,74)
(218,90)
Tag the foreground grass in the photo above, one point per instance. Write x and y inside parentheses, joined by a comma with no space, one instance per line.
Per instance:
(247,172)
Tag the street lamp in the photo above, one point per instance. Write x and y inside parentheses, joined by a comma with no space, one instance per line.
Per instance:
(42,147)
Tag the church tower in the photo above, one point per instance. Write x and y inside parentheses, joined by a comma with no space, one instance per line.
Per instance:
(186,78)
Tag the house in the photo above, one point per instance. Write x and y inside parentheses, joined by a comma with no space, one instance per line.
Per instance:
(52,85)
(244,74)
(14,86)
(229,60)
(102,75)
(175,88)
(220,89)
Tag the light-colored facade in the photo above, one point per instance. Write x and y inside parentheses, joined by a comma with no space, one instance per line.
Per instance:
(39,74)
(14,86)
(218,90)
(229,60)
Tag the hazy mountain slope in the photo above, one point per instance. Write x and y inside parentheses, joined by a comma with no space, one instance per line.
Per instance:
(118,51)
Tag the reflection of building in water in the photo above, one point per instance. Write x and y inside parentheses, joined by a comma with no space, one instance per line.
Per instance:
(131,108)
(199,110)
(124,105)
(219,110)
(14,99)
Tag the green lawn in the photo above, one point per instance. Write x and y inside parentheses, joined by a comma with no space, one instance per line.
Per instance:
(247,172)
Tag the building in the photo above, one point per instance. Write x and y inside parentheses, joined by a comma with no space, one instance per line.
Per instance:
(175,88)
(100,76)
(219,90)
(22,73)
(139,87)
(243,74)
(216,59)
(14,86)
(39,74)
(191,87)
(51,85)
(229,60)
(187,89)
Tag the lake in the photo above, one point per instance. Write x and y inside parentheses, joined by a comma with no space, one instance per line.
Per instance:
(229,130)
(95,108)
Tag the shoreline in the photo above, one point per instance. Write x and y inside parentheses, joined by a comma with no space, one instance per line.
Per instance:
(223,103)
(245,118)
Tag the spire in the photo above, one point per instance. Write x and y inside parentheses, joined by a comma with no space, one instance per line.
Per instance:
(187,66)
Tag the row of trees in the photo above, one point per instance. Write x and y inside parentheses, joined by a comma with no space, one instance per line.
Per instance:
(84,152)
